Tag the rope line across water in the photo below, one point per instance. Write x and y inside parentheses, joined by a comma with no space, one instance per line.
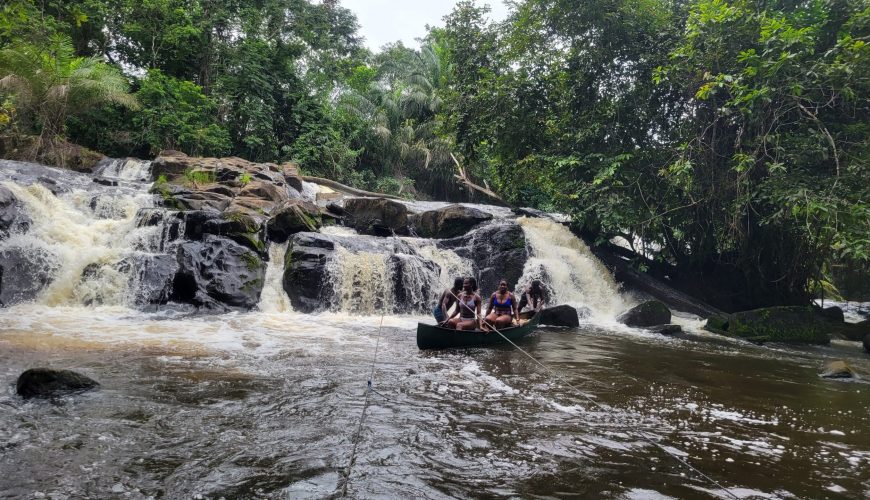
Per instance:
(598,405)
(346,479)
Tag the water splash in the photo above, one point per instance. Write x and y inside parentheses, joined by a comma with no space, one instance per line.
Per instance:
(573,274)
(124,169)
(361,281)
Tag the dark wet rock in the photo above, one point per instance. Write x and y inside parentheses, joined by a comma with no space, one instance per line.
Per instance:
(867,343)
(717,324)
(649,313)
(218,273)
(669,329)
(782,324)
(563,315)
(448,222)
(46,382)
(306,279)
(293,217)
(838,369)
(377,216)
(24,273)
(265,191)
(152,276)
(833,313)
(239,227)
(336,209)
(497,251)
(13,216)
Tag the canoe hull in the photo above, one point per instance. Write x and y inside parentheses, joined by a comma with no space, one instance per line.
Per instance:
(435,337)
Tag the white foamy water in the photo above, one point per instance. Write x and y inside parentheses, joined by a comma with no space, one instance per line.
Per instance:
(273,298)
(125,169)
(78,229)
(452,265)
(361,281)
(575,276)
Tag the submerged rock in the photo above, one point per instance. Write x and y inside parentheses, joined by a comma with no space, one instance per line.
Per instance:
(448,222)
(563,315)
(46,382)
(649,313)
(838,369)
(669,329)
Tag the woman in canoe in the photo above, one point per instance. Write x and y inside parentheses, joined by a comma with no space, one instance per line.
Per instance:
(502,309)
(468,307)
(446,301)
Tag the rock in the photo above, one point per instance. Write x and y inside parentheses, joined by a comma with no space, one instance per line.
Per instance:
(838,369)
(152,276)
(412,282)
(497,251)
(265,191)
(377,216)
(13,217)
(290,171)
(174,165)
(669,329)
(306,279)
(218,273)
(867,343)
(293,217)
(448,222)
(799,324)
(717,324)
(833,313)
(45,382)
(563,315)
(241,227)
(24,273)
(649,313)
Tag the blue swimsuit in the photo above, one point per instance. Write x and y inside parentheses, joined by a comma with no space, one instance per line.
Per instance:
(502,307)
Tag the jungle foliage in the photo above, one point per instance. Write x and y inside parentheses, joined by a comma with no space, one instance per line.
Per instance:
(726,142)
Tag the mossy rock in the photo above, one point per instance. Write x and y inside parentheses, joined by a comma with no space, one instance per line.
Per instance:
(792,324)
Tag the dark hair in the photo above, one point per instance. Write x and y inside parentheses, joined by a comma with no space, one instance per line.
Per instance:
(457,283)
(536,285)
(473,283)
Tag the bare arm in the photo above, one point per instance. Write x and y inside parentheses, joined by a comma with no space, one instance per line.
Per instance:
(515,305)
(489,305)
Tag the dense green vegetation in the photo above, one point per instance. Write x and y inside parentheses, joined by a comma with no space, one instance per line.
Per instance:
(727,142)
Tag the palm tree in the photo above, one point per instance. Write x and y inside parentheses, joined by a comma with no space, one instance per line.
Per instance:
(49,84)
(401,112)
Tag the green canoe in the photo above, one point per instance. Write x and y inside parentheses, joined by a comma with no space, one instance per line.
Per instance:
(436,337)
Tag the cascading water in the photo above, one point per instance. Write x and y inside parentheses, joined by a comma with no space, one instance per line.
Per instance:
(568,269)
(82,242)
(273,298)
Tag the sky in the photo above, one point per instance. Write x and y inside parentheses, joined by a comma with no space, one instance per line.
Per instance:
(384,21)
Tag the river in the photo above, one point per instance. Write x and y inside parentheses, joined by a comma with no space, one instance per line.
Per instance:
(267,403)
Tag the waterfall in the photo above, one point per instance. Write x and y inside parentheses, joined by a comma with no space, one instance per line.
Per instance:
(452,265)
(85,245)
(361,281)
(124,169)
(568,269)
(273,298)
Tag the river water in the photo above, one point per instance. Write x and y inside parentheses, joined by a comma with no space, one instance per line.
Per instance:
(267,404)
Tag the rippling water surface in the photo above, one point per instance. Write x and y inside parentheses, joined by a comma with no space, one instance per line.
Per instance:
(266,405)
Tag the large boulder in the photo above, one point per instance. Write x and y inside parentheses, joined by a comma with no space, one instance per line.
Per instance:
(649,313)
(24,273)
(563,315)
(13,217)
(218,273)
(293,217)
(448,222)
(152,276)
(797,324)
(45,382)
(306,279)
(833,313)
(174,166)
(377,216)
(496,250)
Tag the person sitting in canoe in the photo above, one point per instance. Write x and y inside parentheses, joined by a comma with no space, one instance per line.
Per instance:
(534,296)
(467,307)
(446,301)
(502,309)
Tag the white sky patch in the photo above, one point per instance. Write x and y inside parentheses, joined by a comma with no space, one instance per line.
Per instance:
(385,21)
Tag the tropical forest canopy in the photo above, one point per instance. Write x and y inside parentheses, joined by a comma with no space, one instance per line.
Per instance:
(726,142)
